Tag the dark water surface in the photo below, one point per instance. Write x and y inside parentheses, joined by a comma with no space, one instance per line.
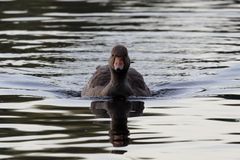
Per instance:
(188,52)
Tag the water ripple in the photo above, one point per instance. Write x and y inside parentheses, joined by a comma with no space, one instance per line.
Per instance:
(187,51)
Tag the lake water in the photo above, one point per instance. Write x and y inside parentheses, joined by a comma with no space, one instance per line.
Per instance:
(187,50)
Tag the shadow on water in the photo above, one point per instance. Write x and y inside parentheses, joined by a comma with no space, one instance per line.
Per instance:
(45,131)
(229,96)
(118,111)
(18,98)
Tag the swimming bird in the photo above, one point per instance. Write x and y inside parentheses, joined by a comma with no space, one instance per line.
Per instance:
(116,79)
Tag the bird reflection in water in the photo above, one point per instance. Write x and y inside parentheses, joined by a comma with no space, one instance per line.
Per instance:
(118,111)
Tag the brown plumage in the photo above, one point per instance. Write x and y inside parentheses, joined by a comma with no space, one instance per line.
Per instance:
(116,79)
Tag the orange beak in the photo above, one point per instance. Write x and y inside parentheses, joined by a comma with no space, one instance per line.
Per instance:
(118,63)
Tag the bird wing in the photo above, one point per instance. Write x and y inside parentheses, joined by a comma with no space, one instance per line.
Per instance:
(101,77)
(137,83)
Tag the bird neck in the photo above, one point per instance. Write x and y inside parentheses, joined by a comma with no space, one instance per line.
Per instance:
(118,78)
(118,85)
